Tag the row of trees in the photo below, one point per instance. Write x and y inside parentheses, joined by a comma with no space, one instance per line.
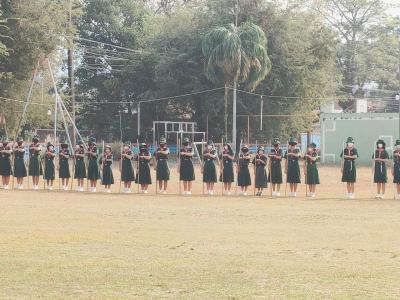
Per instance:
(299,56)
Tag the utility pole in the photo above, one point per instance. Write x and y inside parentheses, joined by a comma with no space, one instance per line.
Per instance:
(138,120)
(71,78)
(398,76)
(234,113)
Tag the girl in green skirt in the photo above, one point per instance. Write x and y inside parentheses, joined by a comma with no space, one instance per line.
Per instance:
(49,168)
(143,176)
(186,169)
(396,168)
(227,176)
(380,158)
(260,162)
(349,156)
(63,167)
(292,168)
(106,161)
(127,173)
(93,167)
(209,170)
(162,169)
(80,167)
(310,169)
(275,168)
(35,167)
(244,180)
(19,163)
(5,163)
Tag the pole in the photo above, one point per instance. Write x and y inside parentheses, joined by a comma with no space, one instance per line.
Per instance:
(71,78)
(234,116)
(207,129)
(63,105)
(248,129)
(398,74)
(261,113)
(55,119)
(138,120)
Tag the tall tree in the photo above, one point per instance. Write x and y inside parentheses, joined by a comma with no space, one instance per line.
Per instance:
(236,54)
(356,22)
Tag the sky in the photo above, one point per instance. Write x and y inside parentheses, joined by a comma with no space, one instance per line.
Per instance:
(394,10)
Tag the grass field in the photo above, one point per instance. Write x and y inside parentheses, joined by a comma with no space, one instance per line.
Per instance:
(64,245)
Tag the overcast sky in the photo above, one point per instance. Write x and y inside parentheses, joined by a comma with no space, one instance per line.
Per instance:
(395,10)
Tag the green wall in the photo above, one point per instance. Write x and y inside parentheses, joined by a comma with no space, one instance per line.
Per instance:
(364,128)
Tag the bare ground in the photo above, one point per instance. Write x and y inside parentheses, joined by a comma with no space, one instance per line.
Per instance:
(96,246)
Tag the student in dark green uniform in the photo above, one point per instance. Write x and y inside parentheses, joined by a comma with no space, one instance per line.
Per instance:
(106,161)
(143,176)
(93,167)
(35,166)
(19,163)
(186,169)
(292,167)
(127,172)
(49,169)
(243,174)
(349,156)
(63,167)
(80,167)
(5,162)
(209,169)
(380,158)
(260,174)
(275,168)
(227,175)
(162,169)
(396,168)
(311,159)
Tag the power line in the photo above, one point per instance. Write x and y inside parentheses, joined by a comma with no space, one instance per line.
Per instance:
(110,45)
(21,101)
(157,99)
(307,98)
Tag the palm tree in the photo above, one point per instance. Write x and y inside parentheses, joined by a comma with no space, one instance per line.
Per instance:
(236,54)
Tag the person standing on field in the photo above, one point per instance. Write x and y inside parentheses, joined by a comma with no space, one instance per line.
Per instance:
(127,170)
(227,174)
(63,169)
(292,167)
(209,170)
(5,162)
(380,158)
(143,176)
(49,168)
(19,163)
(80,166)
(93,167)
(243,174)
(349,156)
(106,161)
(162,168)
(311,159)
(35,167)
(275,168)
(186,169)
(396,168)
(260,162)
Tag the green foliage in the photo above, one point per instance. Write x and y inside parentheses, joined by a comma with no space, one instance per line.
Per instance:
(35,30)
(311,54)
(236,54)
